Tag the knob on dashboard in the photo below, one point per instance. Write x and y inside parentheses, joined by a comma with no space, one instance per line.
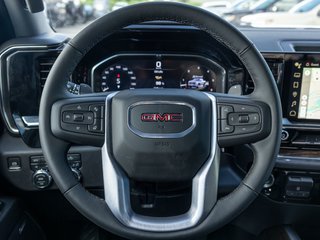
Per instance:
(41,179)
(284,135)
(270,181)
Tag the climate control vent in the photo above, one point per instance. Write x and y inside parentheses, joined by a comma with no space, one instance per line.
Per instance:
(276,66)
(45,65)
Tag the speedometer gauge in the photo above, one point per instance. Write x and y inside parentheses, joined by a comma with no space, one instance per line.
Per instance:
(199,78)
(117,77)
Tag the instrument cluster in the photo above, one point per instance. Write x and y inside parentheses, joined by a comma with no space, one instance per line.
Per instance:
(133,71)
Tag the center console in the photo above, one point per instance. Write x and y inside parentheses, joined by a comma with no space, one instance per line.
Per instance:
(301,101)
(296,177)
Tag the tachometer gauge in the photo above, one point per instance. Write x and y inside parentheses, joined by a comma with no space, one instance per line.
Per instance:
(199,78)
(117,77)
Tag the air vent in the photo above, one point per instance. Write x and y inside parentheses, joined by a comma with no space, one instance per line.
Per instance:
(276,67)
(45,65)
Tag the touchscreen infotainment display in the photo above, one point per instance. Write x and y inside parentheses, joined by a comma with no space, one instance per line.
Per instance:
(309,102)
(303,71)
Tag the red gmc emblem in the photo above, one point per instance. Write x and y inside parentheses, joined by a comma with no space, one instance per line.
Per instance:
(166,117)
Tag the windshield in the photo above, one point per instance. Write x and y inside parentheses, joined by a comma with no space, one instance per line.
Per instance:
(70,16)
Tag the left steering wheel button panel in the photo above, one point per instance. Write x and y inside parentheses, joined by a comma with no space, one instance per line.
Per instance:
(85,118)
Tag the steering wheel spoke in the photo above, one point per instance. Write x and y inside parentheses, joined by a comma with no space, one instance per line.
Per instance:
(242,120)
(80,120)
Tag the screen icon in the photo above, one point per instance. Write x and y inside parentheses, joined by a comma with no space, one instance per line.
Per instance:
(303,103)
(304,97)
(307,72)
(158,65)
(297,75)
(297,65)
(295,94)
(302,112)
(295,84)
(292,113)
(294,103)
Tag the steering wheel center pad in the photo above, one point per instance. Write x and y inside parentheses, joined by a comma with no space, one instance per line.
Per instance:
(161,140)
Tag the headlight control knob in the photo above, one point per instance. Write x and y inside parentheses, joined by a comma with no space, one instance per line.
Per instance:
(42,179)
(284,135)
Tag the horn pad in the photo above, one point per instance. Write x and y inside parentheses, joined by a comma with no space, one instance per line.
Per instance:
(160,135)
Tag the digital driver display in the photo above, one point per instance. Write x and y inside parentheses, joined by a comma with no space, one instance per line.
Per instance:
(133,71)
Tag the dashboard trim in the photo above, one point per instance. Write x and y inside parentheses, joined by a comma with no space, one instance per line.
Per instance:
(31,121)
(287,124)
(4,85)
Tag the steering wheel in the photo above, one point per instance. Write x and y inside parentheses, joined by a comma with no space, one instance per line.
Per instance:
(159,135)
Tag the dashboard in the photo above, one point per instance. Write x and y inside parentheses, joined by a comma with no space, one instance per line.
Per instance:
(186,59)
(173,57)
(159,59)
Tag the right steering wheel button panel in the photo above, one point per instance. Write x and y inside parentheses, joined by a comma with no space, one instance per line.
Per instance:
(239,119)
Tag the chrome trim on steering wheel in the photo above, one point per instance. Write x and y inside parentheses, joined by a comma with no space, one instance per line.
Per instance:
(204,188)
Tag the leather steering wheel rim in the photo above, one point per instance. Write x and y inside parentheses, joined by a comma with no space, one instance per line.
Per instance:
(265,151)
